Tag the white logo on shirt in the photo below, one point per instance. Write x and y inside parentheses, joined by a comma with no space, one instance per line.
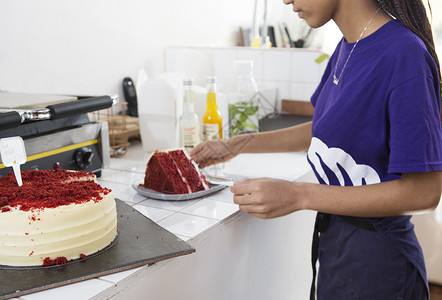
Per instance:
(341,164)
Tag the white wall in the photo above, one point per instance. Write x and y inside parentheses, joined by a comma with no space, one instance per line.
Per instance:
(86,47)
(294,73)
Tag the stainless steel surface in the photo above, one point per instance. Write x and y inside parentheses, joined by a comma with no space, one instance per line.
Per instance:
(35,115)
(80,148)
(115,99)
(105,144)
(63,138)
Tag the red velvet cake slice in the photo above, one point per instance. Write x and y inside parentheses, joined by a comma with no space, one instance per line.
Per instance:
(174,172)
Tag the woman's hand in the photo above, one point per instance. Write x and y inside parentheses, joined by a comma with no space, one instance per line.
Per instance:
(266,197)
(217,151)
(295,138)
(210,153)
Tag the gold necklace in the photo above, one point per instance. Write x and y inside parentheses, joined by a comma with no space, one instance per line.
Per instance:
(337,79)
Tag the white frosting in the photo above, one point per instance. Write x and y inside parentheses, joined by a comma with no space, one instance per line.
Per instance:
(28,237)
(183,179)
(205,185)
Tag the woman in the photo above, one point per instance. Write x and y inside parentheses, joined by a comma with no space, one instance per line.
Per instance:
(375,145)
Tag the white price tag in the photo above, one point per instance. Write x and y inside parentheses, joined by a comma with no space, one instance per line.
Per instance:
(13,155)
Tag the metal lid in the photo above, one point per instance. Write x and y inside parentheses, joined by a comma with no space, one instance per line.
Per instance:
(188,81)
(211,79)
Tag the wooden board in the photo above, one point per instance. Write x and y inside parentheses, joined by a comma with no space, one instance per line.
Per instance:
(140,241)
(296,107)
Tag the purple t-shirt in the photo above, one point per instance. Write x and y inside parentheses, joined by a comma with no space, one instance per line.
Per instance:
(383,118)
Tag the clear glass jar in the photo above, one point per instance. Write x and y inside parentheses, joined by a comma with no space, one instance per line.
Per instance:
(243,112)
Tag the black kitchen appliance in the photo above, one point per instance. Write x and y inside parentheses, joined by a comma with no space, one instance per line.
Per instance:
(56,130)
(130,94)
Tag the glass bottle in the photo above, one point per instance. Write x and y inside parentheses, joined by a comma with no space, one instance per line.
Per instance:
(243,113)
(212,118)
(189,123)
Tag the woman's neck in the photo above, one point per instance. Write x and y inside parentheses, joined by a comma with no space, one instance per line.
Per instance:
(353,16)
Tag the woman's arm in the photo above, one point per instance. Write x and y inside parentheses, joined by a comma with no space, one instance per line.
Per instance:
(269,198)
(295,138)
(291,139)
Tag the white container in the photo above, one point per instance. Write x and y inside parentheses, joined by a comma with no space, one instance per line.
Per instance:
(158,111)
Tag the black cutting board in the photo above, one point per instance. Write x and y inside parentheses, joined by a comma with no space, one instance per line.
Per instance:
(140,241)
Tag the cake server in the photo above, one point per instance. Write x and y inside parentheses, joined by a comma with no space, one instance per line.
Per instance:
(228,181)
(13,155)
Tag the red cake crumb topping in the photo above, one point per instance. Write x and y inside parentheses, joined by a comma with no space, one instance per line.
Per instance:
(4,202)
(48,189)
(83,256)
(52,262)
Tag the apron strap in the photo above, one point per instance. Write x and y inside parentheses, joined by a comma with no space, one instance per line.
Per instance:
(321,225)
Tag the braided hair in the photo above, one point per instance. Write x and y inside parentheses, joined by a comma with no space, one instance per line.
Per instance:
(413,15)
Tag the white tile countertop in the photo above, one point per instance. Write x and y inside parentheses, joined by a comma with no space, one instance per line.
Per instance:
(186,219)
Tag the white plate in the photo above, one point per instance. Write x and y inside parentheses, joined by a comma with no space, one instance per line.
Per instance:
(176,197)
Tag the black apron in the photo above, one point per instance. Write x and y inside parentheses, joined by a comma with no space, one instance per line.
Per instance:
(367,258)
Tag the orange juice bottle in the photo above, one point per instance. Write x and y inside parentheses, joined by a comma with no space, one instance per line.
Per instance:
(212,118)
